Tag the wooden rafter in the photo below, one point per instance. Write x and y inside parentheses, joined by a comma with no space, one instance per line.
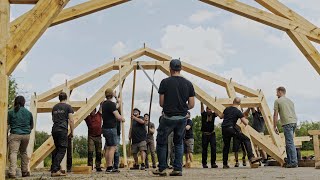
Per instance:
(48,146)
(31,29)
(264,17)
(46,107)
(23,1)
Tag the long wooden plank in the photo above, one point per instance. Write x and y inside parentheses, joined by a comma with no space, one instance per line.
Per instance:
(307,48)
(33,110)
(23,1)
(31,29)
(157,55)
(314,132)
(48,146)
(280,9)
(91,75)
(245,102)
(4,86)
(46,107)
(263,17)
(316,147)
(74,12)
(231,91)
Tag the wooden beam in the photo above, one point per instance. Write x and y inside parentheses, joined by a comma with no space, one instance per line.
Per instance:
(23,1)
(314,132)
(4,83)
(33,110)
(81,169)
(31,29)
(80,80)
(230,90)
(157,55)
(132,105)
(46,107)
(280,9)
(307,48)
(74,12)
(218,80)
(48,146)
(263,17)
(245,102)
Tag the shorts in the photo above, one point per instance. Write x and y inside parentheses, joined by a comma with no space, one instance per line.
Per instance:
(137,147)
(110,136)
(188,145)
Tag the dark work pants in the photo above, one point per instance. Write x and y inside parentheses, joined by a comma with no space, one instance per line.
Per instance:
(60,139)
(206,140)
(69,154)
(227,134)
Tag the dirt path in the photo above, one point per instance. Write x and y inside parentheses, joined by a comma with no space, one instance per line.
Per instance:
(262,173)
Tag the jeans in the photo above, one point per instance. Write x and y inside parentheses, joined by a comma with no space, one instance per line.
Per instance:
(69,154)
(170,153)
(227,134)
(117,154)
(166,126)
(206,139)
(288,130)
(18,143)
(60,139)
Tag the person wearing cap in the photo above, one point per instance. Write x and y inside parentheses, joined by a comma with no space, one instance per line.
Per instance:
(110,115)
(176,98)
(189,141)
(139,139)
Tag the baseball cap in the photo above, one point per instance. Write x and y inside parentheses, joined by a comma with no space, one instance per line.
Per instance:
(175,64)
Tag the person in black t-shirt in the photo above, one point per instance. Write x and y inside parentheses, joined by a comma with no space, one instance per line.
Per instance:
(230,117)
(139,139)
(189,141)
(110,115)
(176,98)
(208,136)
(61,117)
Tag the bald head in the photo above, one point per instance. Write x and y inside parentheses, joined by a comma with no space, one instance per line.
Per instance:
(237,101)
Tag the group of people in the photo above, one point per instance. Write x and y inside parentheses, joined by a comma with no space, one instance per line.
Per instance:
(177,97)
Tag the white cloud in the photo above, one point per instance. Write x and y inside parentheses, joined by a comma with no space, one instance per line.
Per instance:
(201,16)
(203,46)
(119,49)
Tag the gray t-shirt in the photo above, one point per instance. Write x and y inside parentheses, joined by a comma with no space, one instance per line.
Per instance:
(150,135)
(60,116)
(286,110)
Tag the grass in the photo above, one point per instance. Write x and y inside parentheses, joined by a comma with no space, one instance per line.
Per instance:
(196,158)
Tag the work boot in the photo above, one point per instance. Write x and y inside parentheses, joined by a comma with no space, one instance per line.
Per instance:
(205,166)
(237,164)
(158,172)
(57,174)
(214,166)
(291,166)
(25,174)
(255,159)
(11,176)
(142,167)
(176,173)
(98,169)
(135,167)
(226,167)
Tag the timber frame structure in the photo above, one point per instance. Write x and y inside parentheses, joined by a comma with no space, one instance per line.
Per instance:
(19,36)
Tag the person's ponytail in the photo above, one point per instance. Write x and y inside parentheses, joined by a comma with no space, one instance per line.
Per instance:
(19,102)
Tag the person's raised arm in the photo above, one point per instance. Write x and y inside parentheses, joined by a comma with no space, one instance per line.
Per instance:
(246,113)
(139,120)
(245,121)
(71,124)
(191,102)
(202,107)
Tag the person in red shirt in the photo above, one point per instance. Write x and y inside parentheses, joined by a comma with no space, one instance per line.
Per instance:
(94,122)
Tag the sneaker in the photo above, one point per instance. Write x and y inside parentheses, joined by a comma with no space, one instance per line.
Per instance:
(25,174)
(115,171)
(57,174)
(158,172)
(99,169)
(255,159)
(135,167)
(205,166)
(176,173)
(291,166)
(12,176)
(237,164)
(214,166)
(226,167)
(142,167)
(108,171)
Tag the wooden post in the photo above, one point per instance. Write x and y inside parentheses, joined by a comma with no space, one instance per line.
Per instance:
(33,110)
(124,149)
(4,86)
(132,105)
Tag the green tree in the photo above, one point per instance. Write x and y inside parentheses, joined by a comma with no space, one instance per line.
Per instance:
(41,137)
(13,91)
(80,146)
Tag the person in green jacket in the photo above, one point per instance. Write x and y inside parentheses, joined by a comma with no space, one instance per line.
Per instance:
(20,123)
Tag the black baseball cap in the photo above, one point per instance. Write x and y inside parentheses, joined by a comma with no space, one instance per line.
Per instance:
(175,64)
(136,109)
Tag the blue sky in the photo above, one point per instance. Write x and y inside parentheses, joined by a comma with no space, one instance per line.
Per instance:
(252,54)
